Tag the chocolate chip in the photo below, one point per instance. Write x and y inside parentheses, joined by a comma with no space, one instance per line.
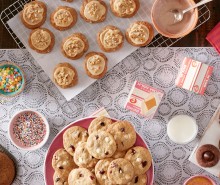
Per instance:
(120,170)
(61,167)
(144,163)
(92,178)
(110,171)
(133,151)
(56,157)
(72,147)
(57,179)
(102,124)
(136,179)
(208,156)
(79,135)
(102,172)
(80,175)
(122,129)
(106,153)
(96,137)
(92,157)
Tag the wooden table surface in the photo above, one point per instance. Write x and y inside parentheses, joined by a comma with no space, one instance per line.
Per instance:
(194,39)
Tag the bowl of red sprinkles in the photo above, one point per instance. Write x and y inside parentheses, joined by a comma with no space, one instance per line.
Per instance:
(29,130)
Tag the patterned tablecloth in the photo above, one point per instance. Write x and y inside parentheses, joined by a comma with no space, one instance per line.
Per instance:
(156,67)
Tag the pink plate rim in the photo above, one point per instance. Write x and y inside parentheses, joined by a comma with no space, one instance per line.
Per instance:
(150,172)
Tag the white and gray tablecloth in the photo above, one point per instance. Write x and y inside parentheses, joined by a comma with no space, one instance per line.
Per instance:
(155,66)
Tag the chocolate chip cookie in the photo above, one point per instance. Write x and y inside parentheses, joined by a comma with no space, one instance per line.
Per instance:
(83,158)
(62,161)
(72,136)
(101,171)
(140,158)
(124,134)
(99,123)
(101,144)
(81,176)
(120,171)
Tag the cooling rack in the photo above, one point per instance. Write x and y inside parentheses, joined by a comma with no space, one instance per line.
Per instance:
(158,41)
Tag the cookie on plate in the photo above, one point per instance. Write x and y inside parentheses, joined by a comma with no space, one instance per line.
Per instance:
(74,46)
(120,171)
(41,40)
(124,134)
(65,75)
(99,123)
(140,158)
(62,161)
(140,33)
(95,64)
(101,171)
(72,137)
(207,155)
(110,39)
(93,11)
(124,8)
(83,158)
(34,14)
(81,176)
(101,145)
(63,18)
(7,169)
(61,177)
(139,180)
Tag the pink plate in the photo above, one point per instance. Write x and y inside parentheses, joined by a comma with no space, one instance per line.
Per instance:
(58,143)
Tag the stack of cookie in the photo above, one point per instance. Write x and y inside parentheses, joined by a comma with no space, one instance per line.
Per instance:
(105,154)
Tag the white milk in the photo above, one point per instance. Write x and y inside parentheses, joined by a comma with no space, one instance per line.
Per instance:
(182,129)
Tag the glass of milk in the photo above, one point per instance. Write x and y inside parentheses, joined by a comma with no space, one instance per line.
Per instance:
(182,129)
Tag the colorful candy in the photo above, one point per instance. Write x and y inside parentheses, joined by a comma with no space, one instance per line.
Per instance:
(10,79)
(29,129)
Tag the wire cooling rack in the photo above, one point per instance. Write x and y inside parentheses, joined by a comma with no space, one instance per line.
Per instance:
(158,41)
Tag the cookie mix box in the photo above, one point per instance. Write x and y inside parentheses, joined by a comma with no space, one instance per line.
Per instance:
(144,99)
(194,76)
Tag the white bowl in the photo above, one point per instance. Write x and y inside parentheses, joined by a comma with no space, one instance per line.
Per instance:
(16,142)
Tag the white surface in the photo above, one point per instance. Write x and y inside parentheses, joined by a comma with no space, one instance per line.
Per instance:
(48,61)
(182,129)
(211,136)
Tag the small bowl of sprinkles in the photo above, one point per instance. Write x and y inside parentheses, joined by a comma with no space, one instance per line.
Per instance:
(29,130)
(12,79)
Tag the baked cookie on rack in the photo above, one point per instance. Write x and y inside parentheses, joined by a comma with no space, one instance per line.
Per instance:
(110,39)
(41,40)
(124,8)
(140,33)
(63,18)
(95,64)
(65,75)
(93,11)
(74,46)
(34,14)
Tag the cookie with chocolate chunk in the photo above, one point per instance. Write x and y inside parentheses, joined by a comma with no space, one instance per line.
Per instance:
(72,137)
(140,158)
(124,134)
(99,123)
(62,161)
(101,145)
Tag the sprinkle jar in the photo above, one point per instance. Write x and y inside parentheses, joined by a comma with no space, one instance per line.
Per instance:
(28,130)
(12,79)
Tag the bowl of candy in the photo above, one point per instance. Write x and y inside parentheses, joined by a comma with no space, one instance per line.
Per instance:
(12,79)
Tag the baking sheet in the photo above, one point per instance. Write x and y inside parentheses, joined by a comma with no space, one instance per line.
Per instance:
(50,60)
(210,136)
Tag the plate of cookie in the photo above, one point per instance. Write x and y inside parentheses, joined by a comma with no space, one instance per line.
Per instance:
(98,151)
